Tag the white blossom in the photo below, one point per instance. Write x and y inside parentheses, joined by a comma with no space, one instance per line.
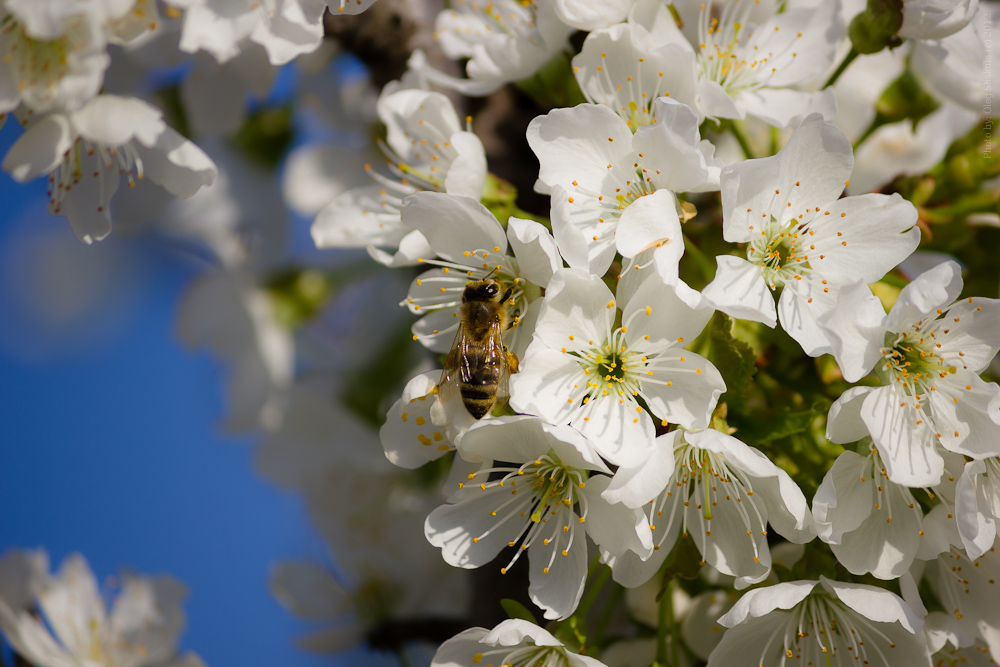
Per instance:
(871,523)
(285,28)
(613,191)
(504,41)
(834,623)
(50,61)
(513,642)
(424,423)
(977,505)
(934,19)
(471,244)
(86,152)
(538,490)
(141,628)
(614,70)
(802,238)
(716,489)
(928,353)
(592,14)
(749,57)
(427,149)
(965,586)
(583,370)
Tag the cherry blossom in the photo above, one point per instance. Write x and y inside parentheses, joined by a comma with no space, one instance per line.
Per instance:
(141,628)
(928,353)
(86,152)
(801,238)
(977,505)
(471,244)
(748,57)
(583,370)
(718,490)
(504,41)
(550,519)
(871,523)
(427,149)
(614,192)
(614,70)
(822,623)
(513,642)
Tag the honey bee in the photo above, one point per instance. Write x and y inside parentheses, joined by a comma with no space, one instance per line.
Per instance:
(479,362)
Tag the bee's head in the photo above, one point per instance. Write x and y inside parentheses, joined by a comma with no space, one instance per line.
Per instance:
(487,289)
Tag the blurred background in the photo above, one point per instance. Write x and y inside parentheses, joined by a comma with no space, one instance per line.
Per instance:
(113,442)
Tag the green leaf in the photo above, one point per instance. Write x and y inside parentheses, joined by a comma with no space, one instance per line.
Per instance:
(265,136)
(572,633)
(554,84)
(733,357)
(684,562)
(515,609)
(786,422)
(381,378)
(169,100)
(500,198)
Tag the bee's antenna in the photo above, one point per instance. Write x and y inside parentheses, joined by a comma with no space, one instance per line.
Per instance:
(496,270)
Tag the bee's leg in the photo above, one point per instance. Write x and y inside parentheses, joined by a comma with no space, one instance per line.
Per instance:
(512,364)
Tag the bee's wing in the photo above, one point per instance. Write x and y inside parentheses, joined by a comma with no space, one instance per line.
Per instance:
(456,366)
(497,353)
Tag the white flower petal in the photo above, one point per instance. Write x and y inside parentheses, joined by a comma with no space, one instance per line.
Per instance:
(842,501)
(684,391)
(576,304)
(558,569)
(114,121)
(177,165)
(577,144)
(874,603)
(467,172)
(657,311)
(453,225)
(844,423)
(975,517)
(932,289)
(409,436)
(634,485)
(39,149)
(515,630)
(762,601)
(615,528)
(649,220)
(907,447)
(855,328)
(591,16)
(739,290)
(535,248)
(466,532)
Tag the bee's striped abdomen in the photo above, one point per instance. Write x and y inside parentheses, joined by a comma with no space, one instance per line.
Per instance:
(479,388)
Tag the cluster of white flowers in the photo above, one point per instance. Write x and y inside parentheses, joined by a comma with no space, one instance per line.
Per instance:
(731,167)
(60,620)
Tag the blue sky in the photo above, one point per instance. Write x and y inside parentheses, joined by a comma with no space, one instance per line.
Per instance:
(111,444)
